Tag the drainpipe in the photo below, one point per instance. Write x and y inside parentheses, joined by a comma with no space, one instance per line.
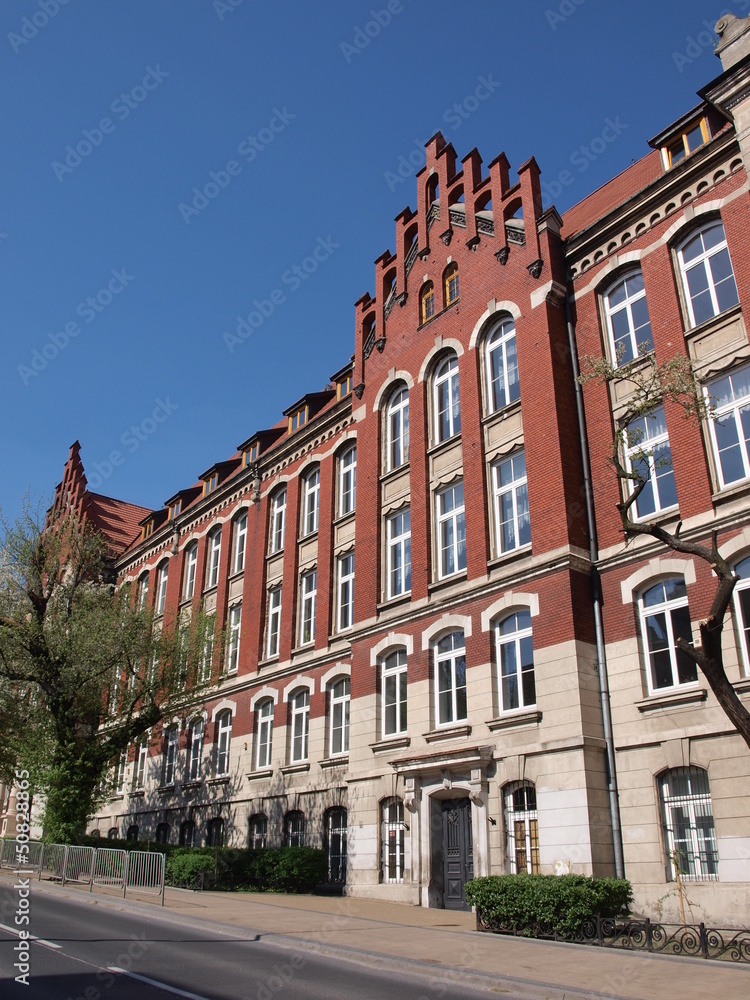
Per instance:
(596,593)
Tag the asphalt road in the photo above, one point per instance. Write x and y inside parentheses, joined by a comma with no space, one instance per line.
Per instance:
(95,951)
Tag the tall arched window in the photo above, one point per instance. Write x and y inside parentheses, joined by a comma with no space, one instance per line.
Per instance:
(392,857)
(665,617)
(446,399)
(299,718)
(707,273)
(162,833)
(501,362)
(294,829)
(397,429)
(162,573)
(450,284)
(263,733)
(427,301)
(215,832)
(240,537)
(521,828)
(687,815)
(628,322)
(515,662)
(278,520)
(214,556)
(195,749)
(223,740)
(450,679)
(742,609)
(648,454)
(348,480)
(339,717)
(191,561)
(142,591)
(258,832)
(187,833)
(394,693)
(310,501)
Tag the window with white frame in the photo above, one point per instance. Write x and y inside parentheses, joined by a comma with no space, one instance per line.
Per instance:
(278,520)
(142,591)
(299,708)
(191,561)
(122,765)
(294,829)
(628,321)
(398,553)
(348,480)
(345,591)
(649,456)
(162,574)
(393,858)
(521,828)
(446,399)
(170,755)
(310,501)
(263,733)
(394,693)
(206,662)
(141,759)
(233,644)
(339,717)
(214,556)
(512,523)
(730,424)
(501,362)
(240,538)
(741,598)
(707,273)
(274,621)
(451,527)
(308,594)
(688,820)
(258,832)
(450,679)
(223,741)
(195,749)
(665,617)
(515,661)
(397,429)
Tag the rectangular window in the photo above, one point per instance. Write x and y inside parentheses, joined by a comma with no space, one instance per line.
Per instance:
(730,424)
(233,646)
(122,765)
(451,530)
(450,679)
(346,591)
(311,500)
(347,481)
(522,829)
(339,715)
(214,554)
(140,764)
(512,525)
(307,616)
(398,557)
(240,538)
(394,693)
(648,454)
(195,750)
(298,419)
(264,734)
(170,757)
(300,709)
(224,738)
(274,621)
(665,617)
(687,815)
(515,660)
(209,485)
(161,588)
(278,521)
(206,664)
(344,387)
(191,563)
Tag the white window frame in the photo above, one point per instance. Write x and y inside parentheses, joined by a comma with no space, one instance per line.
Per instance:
(392,838)
(299,725)
(274,621)
(445,388)
(294,828)
(666,608)
(142,591)
(191,563)
(703,260)
(161,586)
(506,388)
(345,591)
(308,597)
(339,703)
(742,589)
(195,749)
(170,755)
(311,502)
(394,693)
(634,347)
(141,764)
(240,541)
(348,481)
(397,429)
(517,491)
(398,553)
(258,831)
(451,531)
(510,647)
(120,773)
(206,664)
(530,819)
(278,521)
(646,441)
(223,742)
(688,819)
(729,412)
(213,561)
(451,658)
(264,734)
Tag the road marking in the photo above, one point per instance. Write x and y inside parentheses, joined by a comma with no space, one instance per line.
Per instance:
(32,937)
(155,982)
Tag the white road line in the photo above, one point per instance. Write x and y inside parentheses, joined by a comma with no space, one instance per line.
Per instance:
(157,984)
(32,937)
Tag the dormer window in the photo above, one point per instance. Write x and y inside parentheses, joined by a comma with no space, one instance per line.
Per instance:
(210,484)
(147,529)
(251,454)
(174,509)
(691,138)
(344,387)
(298,419)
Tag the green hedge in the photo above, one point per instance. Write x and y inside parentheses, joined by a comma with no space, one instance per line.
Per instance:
(281,869)
(546,904)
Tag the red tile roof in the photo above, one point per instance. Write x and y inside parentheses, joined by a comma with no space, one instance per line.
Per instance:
(614,192)
(116,519)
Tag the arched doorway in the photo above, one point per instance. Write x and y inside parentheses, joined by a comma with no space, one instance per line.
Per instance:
(457,852)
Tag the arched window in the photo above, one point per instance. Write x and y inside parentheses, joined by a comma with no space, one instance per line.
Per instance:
(310,501)
(142,591)
(334,838)
(213,559)
(451,530)
(308,600)
(398,552)
(501,362)
(427,301)
(649,455)
(191,561)
(113,834)
(240,538)
(394,693)
(392,857)
(223,740)
(299,711)
(263,734)
(345,588)
(628,322)
(187,833)
(521,828)
(170,755)
(446,399)
(162,833)
(162,573)
(742,609)
(729,397)
(511,494)
(195,749)
(515,662)
(688,819)
(258,832)
(278,520)
(665,617)
(132,833)
(274,621)
(294,829)
(348,480)
(450,679)
(450,284)
(215,832)
(339,717)
(397,429)
(707,274)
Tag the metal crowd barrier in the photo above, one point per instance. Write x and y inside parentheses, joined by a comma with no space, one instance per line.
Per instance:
(79,864)
(53,861)
(145,872)
(110,865)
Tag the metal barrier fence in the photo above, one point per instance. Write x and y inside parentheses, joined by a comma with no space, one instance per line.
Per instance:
(8,854)
(145,872)
(53,861)
(79,864)
(110,865)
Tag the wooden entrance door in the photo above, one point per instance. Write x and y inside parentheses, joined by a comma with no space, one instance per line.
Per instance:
(458,858)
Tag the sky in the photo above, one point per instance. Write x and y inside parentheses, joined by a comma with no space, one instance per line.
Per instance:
(169,166)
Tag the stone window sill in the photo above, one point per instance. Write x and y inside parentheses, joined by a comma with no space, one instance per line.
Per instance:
(296,768)
(166,789)
(264,772)
(512,719)
(342,760)
(672,699)
(137,793)
(220,779)
(449,733)
(392,743)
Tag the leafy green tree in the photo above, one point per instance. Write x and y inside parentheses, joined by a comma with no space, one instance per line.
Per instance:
(83,671)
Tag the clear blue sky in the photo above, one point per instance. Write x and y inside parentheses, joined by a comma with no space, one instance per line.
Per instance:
(93,208)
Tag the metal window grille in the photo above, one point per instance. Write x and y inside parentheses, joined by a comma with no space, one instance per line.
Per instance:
(688,819)
(522,828)
(392,838)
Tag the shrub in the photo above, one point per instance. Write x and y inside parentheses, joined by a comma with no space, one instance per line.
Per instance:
(190,867)
(546,904)
(284,869)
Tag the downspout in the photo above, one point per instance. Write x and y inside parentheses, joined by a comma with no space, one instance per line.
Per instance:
(596,593)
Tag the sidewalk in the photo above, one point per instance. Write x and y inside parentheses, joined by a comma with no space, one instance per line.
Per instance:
(372,932)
